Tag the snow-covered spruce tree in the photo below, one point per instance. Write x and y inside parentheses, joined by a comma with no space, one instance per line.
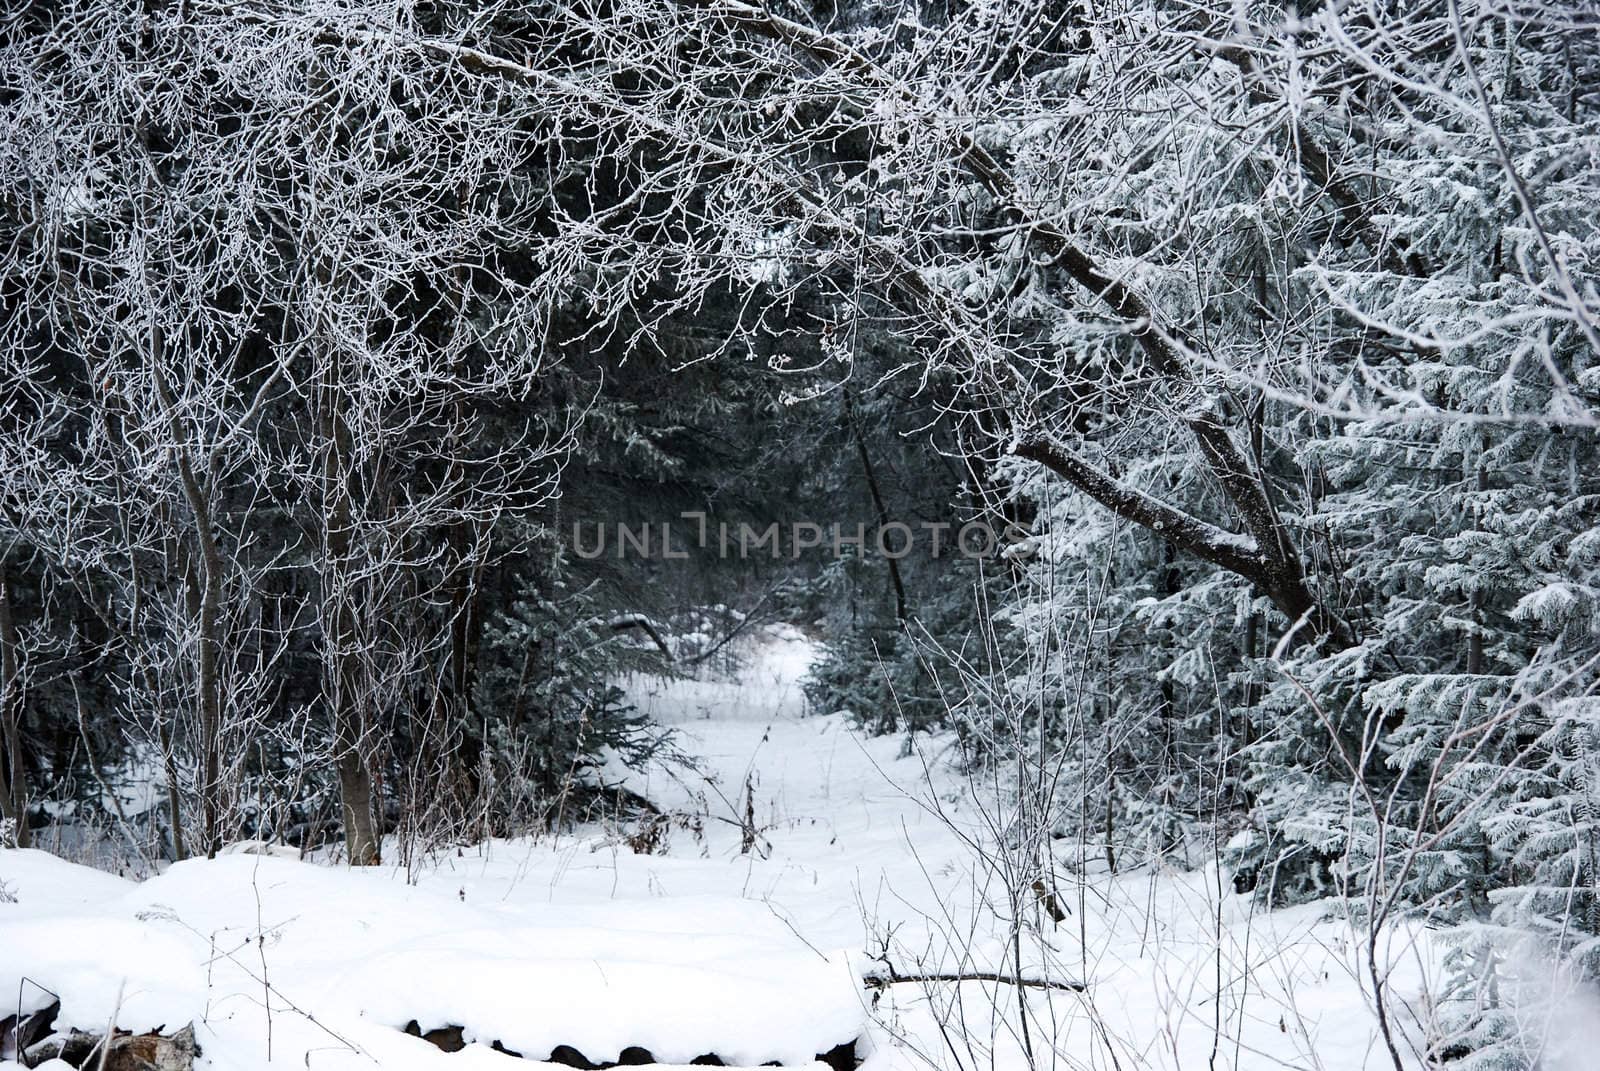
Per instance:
(552,715)
(1464,526)
(1146,667)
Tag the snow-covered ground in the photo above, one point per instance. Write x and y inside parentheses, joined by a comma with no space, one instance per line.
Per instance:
(672,938)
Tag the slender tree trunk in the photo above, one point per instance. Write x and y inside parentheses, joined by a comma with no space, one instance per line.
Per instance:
(1252,696)
(343,680)
(345,707)
(209,585)
(210,698)
(346,703)
(1475,637)
(169,761)
(209,581)
(13,780)
(454,699)
(355,801)
(1110,817)
(347,669)
(878,504)
(1171,585)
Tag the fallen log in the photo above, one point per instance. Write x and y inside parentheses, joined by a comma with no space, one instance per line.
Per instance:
(120,1052)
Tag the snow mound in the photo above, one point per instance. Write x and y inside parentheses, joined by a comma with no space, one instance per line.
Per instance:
(38,880)
(682,977)
(59,941)
(98,967)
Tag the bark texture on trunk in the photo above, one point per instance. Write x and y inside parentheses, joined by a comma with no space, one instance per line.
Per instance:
(343,679)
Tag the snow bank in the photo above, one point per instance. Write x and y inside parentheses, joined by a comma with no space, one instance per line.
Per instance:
(100,966)
(678,979)
(64,938)
(39,881)
(681,978)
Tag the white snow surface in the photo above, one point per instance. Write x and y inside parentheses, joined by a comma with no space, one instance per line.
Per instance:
(864,852)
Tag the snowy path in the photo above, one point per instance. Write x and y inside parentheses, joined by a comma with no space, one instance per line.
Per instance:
(696,947)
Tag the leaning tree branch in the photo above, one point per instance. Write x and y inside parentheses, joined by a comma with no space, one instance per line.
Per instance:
(624,622)
(1185,531)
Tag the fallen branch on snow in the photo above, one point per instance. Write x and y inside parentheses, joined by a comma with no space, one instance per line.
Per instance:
(880,979)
